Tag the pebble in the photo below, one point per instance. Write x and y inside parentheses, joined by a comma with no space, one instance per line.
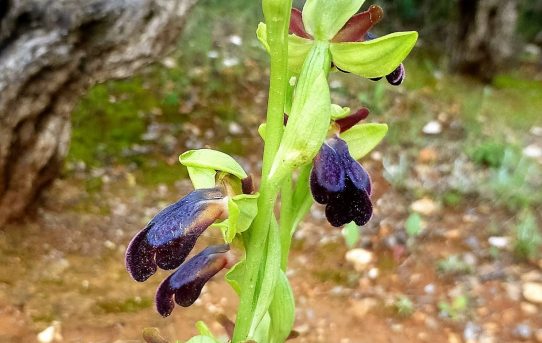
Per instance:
(427,155)
(432,128)
(360,308)
(532,292)
(533,151)
(424,206)
(359,258)
(498,242)
(50,334)
(528,308)
(429,288)
(471,332)
(373,273)
(236,40)
(523,331)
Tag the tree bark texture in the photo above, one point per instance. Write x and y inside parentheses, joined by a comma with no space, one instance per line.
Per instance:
(485,35)
(51,51)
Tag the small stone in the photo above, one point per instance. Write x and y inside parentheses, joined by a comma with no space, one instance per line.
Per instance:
(235,128)
(236,40)
(471,332)
(424,206)
(427,155)
(432,128)
(528,308)
(498,242)
(360,308)
(536,130)
(532,292)
(523,331)
(429,288)
(109,245)
(359,258)
(533,151)
(453,338)
(50,334)
(373,273)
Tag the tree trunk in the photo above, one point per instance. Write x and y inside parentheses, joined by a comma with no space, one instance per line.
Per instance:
(484,40)
(51,51)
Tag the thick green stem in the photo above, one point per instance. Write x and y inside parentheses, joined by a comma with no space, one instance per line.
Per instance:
(277,15)
(286,208)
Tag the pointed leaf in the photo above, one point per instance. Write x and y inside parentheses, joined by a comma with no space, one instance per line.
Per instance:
(324,18)
(282,310)
(374,58)
(235,276)
(362,138)
(214,160)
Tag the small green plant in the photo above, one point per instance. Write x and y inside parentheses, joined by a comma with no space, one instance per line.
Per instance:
(489,154)
(453,265)
(404,306)
(457,309)
(413,225)
(527,237)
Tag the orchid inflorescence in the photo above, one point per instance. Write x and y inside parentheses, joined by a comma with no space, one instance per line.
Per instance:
(311,155)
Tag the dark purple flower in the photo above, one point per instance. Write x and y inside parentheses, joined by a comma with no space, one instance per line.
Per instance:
(186,283)
(340,182)
(169,237)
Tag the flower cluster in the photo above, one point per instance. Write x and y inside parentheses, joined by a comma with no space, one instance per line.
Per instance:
(169,238)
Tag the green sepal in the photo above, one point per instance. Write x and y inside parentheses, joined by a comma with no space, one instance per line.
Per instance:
(362,138)
(242,210)
(374,58)
(310,115)
(298,48)
(282,310)
(204,330)
(338,112)
(324,18)
(214,160)
(202,177)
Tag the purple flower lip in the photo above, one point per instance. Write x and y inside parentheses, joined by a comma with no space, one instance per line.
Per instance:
(185,284)
(169,237)
(342,184)
(351,120)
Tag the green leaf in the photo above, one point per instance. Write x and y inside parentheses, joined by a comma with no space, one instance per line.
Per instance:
(202,177)
(374,58)
(310,115)
(324,18)
(202,339)
(204,330)
(235,276)
(351,234)
(362,138)
(267,279)
(282,310)
(261,333)
(338,112)
(214,160)
(413,225)
(298,48)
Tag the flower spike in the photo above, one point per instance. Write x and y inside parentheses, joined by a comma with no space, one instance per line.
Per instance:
(185,284)
(171,234)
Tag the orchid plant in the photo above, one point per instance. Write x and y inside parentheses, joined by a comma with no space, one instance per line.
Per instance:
(311,148)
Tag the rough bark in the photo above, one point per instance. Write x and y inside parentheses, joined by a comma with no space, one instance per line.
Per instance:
(51,51)
(484,40)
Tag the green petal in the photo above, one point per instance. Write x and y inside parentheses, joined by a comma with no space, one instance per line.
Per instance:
(338,112)
(362,138)
(242,210)
(374,58)
(298,48)
(214,160)
(202,177)
(324,18)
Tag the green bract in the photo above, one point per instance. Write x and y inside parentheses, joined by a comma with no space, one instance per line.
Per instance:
(374,58)
(324,18)
(213,160)
(362,138)
(282,310)
(310,115)
(202,177)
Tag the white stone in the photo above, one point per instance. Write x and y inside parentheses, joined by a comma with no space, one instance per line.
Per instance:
(533,151)
(498,242)
(424,206)
(50,334)
(432,128)
(359,258)
(236,40)
(532,291)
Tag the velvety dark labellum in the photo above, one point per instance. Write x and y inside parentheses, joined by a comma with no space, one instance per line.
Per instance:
(185,284)
(397,76)
(340,182)
(356,27)
(171,234)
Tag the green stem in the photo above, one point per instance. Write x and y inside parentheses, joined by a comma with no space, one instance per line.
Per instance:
(277,15)
(286,210)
